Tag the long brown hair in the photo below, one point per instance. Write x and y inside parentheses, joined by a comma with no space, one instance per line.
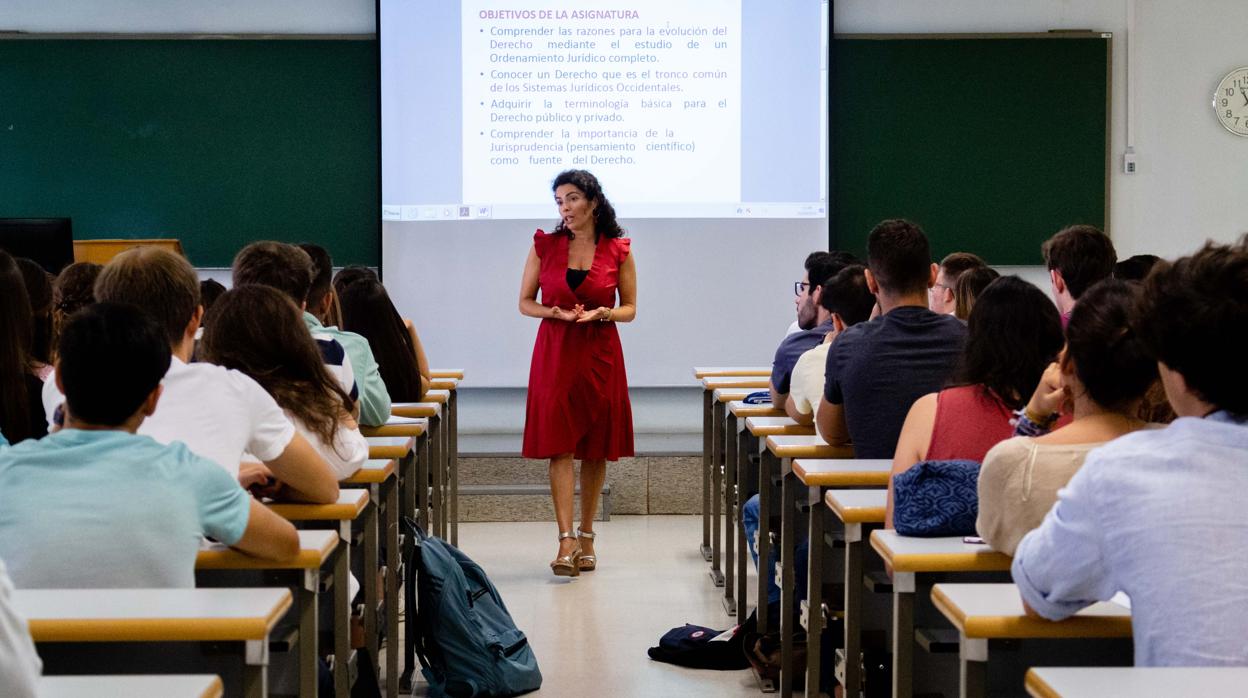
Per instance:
(259,331)
(15,335)
(367,310)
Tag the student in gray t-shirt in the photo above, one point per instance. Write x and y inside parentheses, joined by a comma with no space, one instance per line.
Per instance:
(876,370)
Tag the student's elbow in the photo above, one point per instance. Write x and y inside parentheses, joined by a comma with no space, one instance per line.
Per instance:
(286,545)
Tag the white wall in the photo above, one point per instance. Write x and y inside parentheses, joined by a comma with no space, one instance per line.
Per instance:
(1192,172)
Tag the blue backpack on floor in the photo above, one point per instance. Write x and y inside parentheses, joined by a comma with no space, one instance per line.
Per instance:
(465,638)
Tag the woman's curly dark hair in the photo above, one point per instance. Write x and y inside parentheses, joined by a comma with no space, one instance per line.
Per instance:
(604,215)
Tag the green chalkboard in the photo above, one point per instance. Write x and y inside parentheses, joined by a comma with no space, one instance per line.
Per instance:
(216,142)
(991,144)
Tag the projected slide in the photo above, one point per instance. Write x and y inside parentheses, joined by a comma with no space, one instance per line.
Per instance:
(683,108)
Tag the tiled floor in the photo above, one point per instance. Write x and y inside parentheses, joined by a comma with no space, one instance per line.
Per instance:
(591,634)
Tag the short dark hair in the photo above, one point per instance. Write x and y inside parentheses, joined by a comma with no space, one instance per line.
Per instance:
(847,295)
(1110,358)
(322,272)
(970,284)
(1135,268)
(278,265)
(822,266)
(1191,313)
(352,273)
(899,257)
(1014,332)
(1083,254)
(111,357)
(160,282)
(209,291)
(957,263)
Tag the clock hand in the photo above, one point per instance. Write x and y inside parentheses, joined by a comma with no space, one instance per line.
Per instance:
(1244,92)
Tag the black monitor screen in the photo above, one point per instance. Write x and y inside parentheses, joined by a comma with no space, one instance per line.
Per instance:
(48,241)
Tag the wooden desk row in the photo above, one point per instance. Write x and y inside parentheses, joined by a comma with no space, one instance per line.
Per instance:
(982,614)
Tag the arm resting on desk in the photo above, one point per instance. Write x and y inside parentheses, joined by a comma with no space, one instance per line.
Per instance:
(1060,567)
(830,421)
(308,477)
(268,536)
(790,408)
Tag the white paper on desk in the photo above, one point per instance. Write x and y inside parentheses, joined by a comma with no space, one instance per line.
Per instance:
(1122,600)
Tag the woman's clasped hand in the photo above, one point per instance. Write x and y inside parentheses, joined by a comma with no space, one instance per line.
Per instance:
(578,313)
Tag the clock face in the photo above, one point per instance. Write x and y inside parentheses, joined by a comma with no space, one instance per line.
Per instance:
(1230,102)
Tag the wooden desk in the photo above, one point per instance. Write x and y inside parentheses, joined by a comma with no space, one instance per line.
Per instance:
(917,563)
(436,462)
(1138,682)
(456,373)
(72,623)
(450,450)
(103,251)
(820,475)
(727,412)
(983,613)
(313,564)
(413,427)
(856,510)
(132,686)
(744,424)
(700,372)
(714,401)
(381,478)
(777,460)
(352,504)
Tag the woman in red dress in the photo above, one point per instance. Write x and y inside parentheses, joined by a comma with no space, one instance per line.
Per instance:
(578,404)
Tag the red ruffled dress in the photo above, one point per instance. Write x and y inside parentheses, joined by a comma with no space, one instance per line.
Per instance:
(578,390)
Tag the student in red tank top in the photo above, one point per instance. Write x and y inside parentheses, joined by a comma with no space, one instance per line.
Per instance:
(1014,332)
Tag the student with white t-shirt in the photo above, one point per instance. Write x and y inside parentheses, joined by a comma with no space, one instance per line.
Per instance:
(218,413)
(847,299)
(257,330)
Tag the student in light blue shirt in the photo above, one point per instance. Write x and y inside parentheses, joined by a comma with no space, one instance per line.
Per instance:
(94,505)
(1162,515)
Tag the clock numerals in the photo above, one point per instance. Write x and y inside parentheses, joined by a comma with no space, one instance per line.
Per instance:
(1230,111)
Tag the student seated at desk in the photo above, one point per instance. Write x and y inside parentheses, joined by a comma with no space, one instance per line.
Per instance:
(218,413)
(813,320)
(289,270)
(846,297)
(1102,373)
(1077,257)
(967,290)
(1161,514)
(1013,334)
(19,663)
(876,370)
(942,296)
(367,309)
(97,506)
(258,331)
(19,384)
(320,318)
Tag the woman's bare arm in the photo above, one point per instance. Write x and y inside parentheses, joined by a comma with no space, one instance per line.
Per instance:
(916,434)
(422,361)
(627,310)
